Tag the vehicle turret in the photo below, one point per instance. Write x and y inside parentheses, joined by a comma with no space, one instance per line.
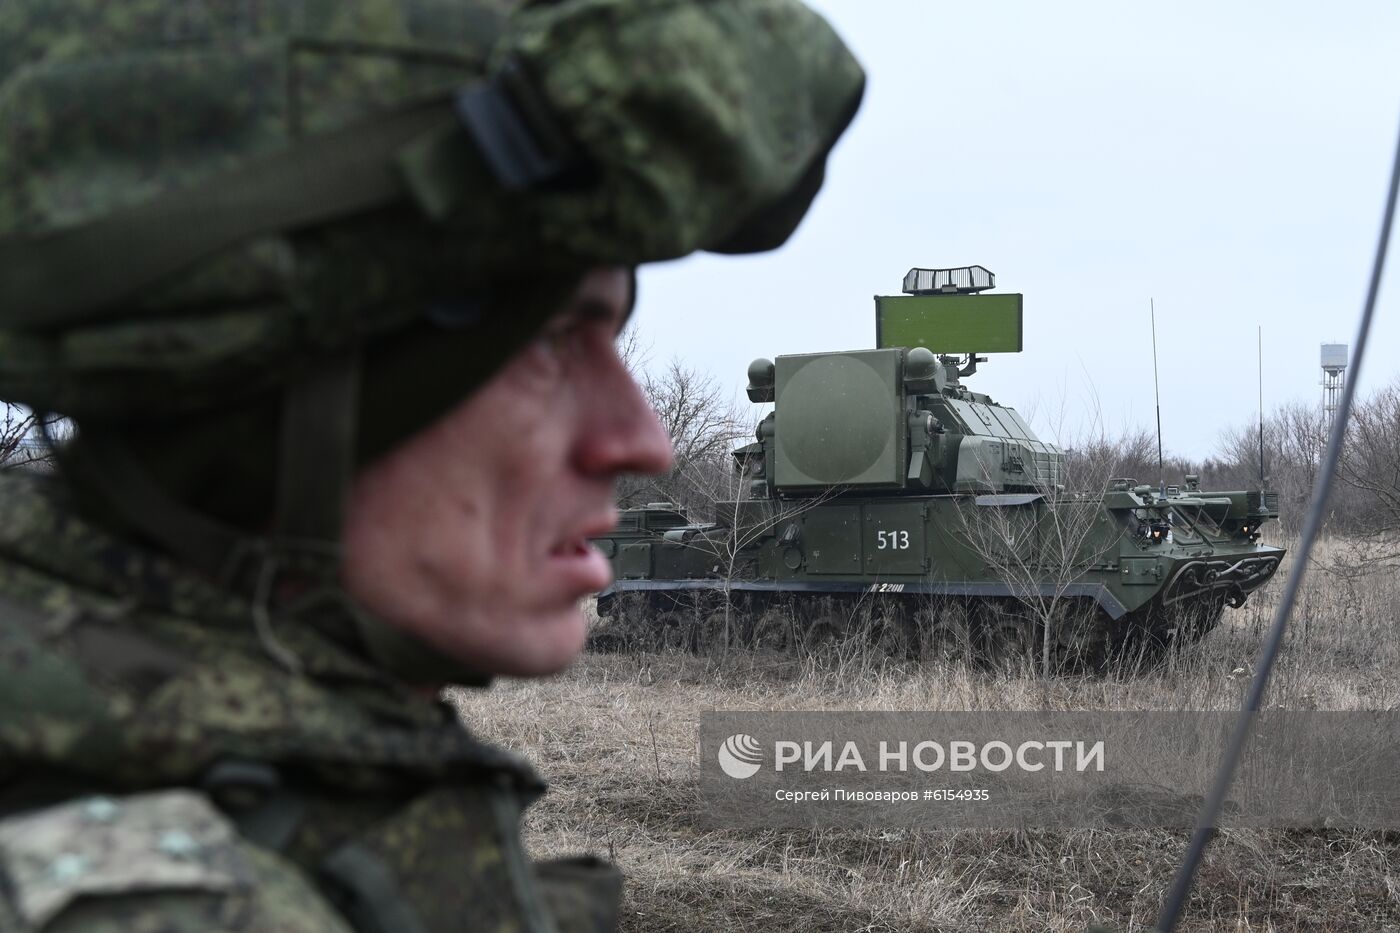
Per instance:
(897,419)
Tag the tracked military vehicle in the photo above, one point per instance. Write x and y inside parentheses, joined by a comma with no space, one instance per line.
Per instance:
(882,491)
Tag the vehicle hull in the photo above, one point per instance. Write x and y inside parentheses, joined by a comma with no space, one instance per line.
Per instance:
(997,562)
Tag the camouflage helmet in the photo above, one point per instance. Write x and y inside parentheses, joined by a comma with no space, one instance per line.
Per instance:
(198,198)
(219,219)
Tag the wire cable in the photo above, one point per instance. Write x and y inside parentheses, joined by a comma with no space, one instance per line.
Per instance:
(1225,775)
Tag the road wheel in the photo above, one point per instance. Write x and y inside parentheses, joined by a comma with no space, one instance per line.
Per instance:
(948,642)
(893,633)
(773,629)
(1011,645)
(714,632)
(673,630)
(820,631)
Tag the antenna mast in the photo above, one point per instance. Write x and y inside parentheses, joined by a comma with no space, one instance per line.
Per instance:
(1261,406)
(1157,394)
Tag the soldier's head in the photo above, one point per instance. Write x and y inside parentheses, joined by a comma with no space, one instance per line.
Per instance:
(473,533)
(316,274)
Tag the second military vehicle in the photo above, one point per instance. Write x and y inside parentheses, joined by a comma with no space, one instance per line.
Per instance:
(884,492)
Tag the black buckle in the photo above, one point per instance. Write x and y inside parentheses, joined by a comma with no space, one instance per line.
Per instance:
(515,131)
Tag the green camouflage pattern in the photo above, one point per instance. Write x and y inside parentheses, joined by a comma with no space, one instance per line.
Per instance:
(717,113)
(107,106)
(64,860)
(701,126)
(122,675)
(275,896)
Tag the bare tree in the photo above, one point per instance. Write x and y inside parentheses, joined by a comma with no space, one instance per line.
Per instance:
(703,424)
(1371,466)
(1041,546)
(1100,456)
(742,522)
(634,351)
(17,429)
(1293,441)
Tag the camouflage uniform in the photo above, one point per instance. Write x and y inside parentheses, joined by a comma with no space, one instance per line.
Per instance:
(344,216)
(336,790)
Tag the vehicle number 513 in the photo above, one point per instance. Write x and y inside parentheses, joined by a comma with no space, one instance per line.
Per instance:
(891,540)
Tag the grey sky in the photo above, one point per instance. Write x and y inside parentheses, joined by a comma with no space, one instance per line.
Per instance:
(1228,161)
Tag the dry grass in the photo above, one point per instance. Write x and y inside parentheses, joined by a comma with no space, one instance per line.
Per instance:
(616,737)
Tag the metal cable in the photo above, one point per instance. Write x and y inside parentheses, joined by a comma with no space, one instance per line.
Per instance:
(1210,809)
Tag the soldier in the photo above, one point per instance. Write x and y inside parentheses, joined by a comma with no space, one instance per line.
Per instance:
(329,290)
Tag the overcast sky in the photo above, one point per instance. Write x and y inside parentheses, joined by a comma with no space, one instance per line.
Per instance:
(1227,161)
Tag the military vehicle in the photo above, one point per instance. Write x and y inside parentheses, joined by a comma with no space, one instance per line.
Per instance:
(882,491)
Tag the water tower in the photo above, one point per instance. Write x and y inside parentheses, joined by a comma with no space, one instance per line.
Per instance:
(1334,375)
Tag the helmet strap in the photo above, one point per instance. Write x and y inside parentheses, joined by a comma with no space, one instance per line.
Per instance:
(315,467)
(316,451)
(105,464)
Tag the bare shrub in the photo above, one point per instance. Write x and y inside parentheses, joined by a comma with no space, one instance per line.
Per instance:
(1041,549)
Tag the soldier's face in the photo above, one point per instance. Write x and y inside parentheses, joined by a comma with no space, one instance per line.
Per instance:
(472,535)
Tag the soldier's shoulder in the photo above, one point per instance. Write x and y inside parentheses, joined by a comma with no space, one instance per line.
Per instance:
(165,860)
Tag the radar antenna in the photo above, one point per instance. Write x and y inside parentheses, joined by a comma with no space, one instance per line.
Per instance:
(963,280)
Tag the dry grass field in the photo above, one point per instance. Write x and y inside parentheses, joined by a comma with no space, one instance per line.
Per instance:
(616,738)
